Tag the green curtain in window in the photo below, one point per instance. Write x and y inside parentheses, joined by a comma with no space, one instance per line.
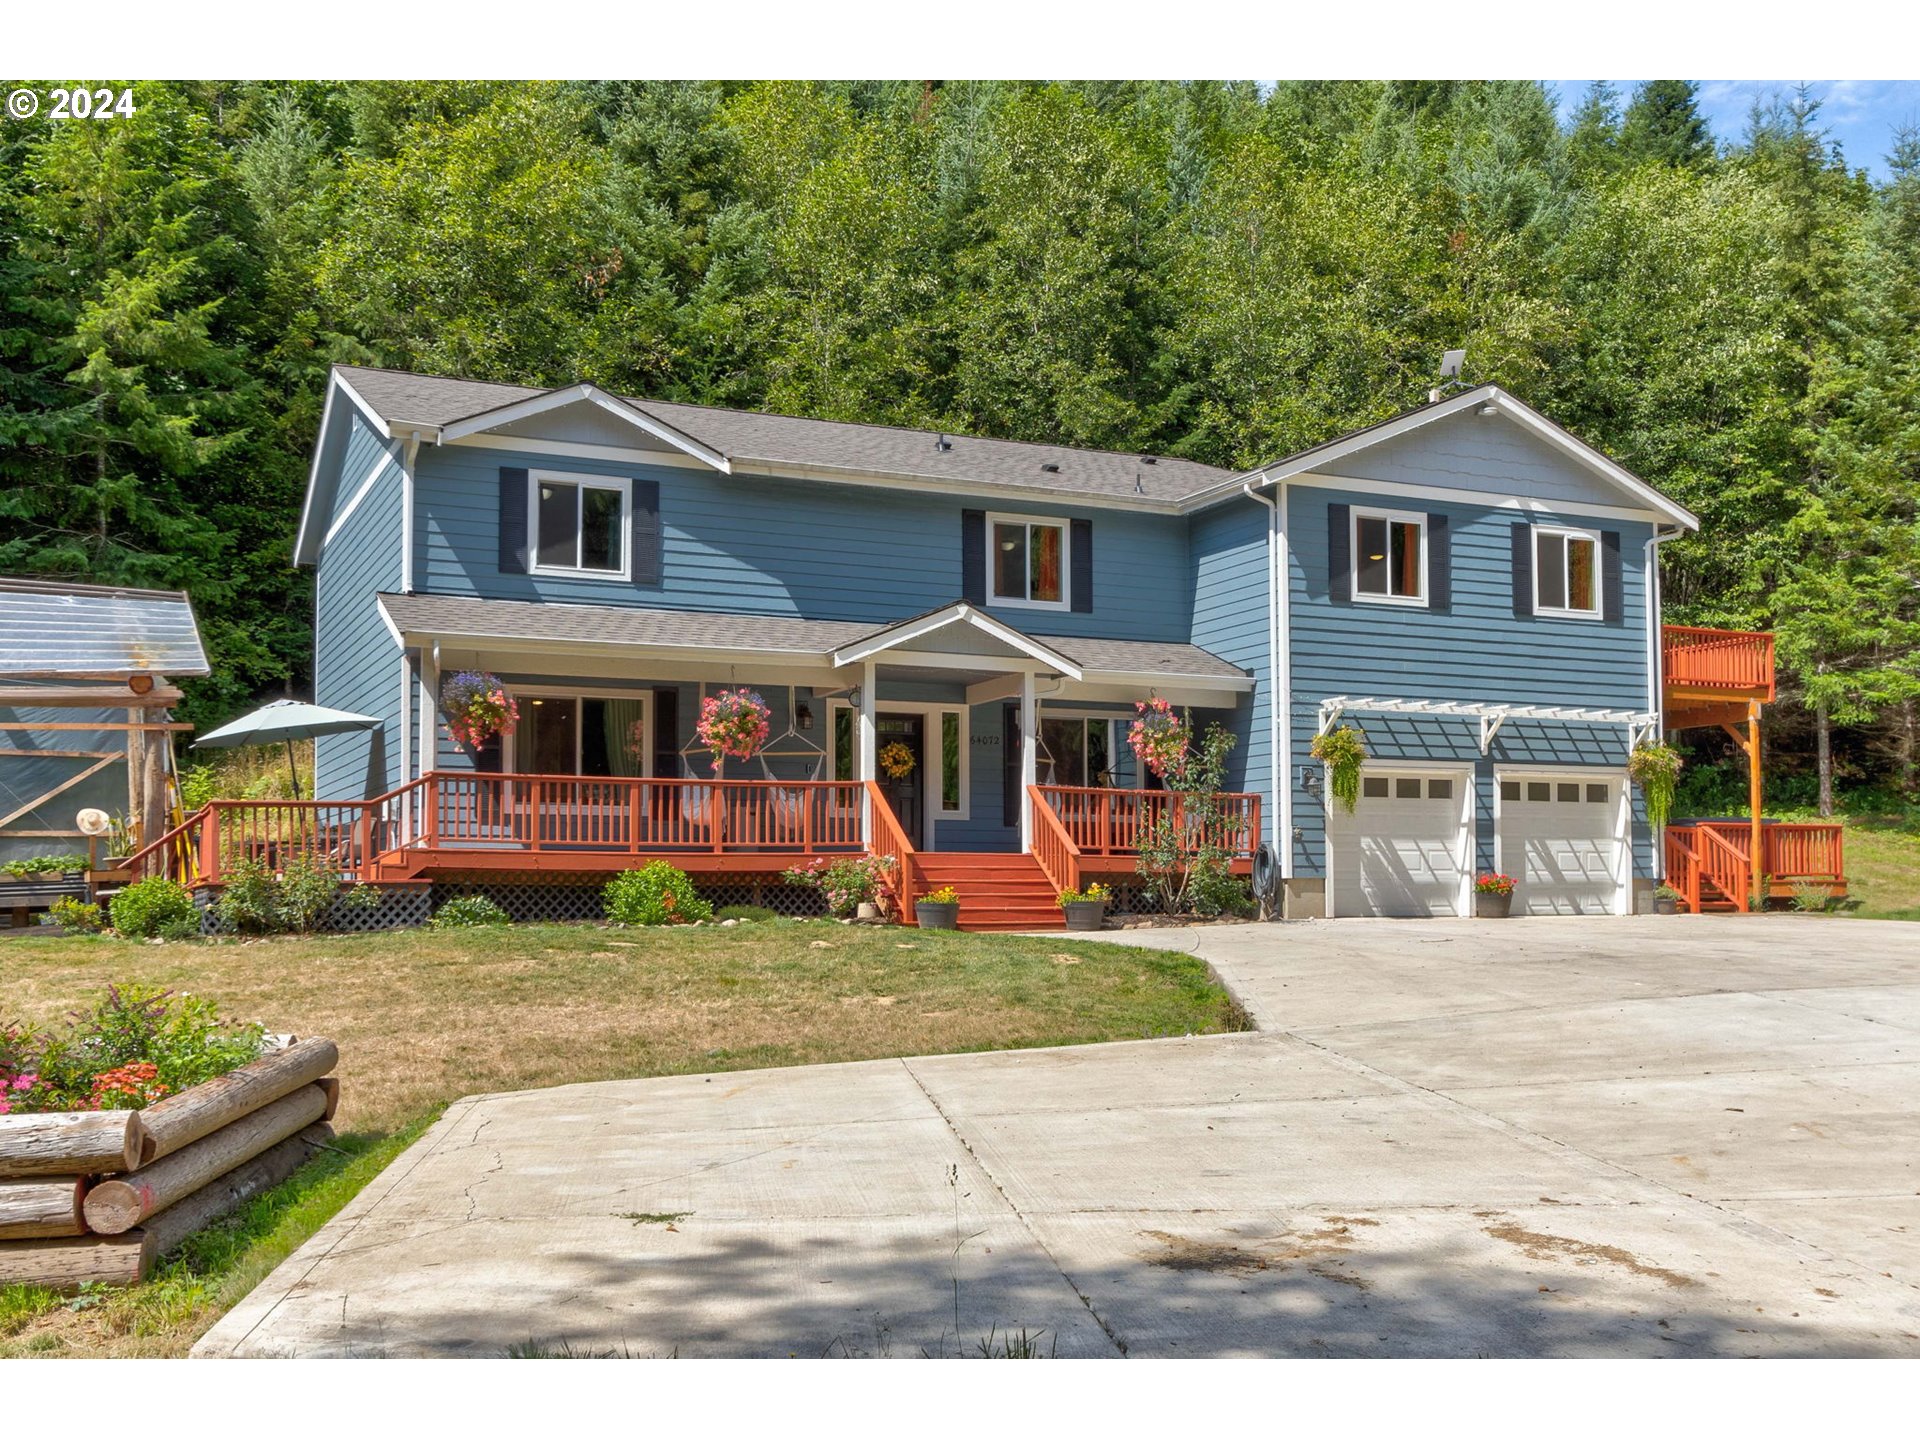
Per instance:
(626,737)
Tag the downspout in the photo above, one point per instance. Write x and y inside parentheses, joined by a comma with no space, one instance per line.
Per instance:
(410,453)
(1280,682)
(1656,688)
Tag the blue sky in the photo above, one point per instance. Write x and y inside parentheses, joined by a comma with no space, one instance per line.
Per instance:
(1861,114)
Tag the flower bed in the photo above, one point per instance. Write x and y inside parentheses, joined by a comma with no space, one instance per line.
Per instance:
(142,1122)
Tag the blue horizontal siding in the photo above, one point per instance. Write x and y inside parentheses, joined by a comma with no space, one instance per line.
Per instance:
(755,546)
(1230,616)
(1480,652)
(1486,454)
(356,665)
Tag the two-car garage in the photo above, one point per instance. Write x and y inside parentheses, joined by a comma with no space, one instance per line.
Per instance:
(1408,849)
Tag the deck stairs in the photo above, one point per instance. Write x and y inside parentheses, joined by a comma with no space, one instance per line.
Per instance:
(998,891)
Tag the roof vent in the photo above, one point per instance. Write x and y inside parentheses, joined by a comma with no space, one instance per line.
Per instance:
(1050,467)
(1149,459)
(942,443)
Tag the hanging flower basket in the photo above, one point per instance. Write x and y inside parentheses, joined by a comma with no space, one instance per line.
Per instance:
(896,759)
(477,707)
(733,722)
(1655,768)
(1159,736)
(1343,750)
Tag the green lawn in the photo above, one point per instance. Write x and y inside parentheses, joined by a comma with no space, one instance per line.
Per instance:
(1883,867)
(423,1017)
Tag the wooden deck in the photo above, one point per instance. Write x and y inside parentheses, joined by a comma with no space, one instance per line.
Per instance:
(1710,862)
(552,828)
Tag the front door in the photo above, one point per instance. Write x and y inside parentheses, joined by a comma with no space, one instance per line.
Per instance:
(906,792)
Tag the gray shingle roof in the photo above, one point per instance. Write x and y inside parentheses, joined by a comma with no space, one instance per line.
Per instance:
(754,437)
(453,615)
(51,628)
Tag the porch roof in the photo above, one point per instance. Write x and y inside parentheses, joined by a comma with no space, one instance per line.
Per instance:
(787,639)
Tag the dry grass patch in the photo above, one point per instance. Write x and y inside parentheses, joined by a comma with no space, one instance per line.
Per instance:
(424,1017)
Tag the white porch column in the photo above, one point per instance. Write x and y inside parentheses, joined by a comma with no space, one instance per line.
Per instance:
(429,738)
(864,737)
(1029,755)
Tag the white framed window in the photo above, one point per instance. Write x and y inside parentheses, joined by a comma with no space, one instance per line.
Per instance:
(1027,562)
(1566,572)
(580,524)
(565,732)
(1389,550)
(1078,750)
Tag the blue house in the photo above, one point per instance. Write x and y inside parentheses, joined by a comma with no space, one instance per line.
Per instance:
(952,633)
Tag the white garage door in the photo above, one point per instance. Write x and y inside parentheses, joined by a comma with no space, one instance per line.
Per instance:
(1560,838)
(1405,848)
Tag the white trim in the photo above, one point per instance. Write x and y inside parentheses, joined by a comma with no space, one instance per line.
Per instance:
(1586,775)
(375,420)
(429,739)
(1490,715)
(959,613)
(366,486)
(1523,504)
(1005,602)
(580,450)
(1391,517)
(592,395)
(412,450)
(1458,771)
(572,692)
(581,483)
(1568,612)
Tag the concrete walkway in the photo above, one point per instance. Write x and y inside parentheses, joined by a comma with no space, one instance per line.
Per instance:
(1657,1136)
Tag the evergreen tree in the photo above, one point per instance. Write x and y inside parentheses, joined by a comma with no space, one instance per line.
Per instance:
(1664,126)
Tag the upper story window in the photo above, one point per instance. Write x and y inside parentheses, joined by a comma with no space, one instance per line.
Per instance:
(1029,562)
(1566,572)
(1389,557)
(579,524)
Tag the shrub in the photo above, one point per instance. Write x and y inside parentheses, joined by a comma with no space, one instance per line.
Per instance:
(755,913)
(255,901)
(137,1044)
(147,907)
(249,904)
(468,910)
(308,888)
(848,882)
(1214,890)
(76,917)
(655,894)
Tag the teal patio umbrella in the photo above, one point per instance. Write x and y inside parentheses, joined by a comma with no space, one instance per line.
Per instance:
(288,721)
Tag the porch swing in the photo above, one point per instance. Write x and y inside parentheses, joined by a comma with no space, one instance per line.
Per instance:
(787,805)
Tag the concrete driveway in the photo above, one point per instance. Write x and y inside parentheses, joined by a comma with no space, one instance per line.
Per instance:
(1654,1136)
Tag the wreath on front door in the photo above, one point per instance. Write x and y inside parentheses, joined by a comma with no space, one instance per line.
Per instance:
(896,759)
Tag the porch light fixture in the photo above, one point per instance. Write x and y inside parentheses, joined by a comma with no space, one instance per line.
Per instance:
(803,716)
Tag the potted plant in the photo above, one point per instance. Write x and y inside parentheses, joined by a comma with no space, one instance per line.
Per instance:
(1666,900)
(1655,768)
(1159,737)
(1085,909)
(733,722)
(1343,750)
(477,707)
(938,909)
(1492,896)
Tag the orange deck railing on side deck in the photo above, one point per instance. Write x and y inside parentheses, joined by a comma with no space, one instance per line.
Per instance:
(1736,663)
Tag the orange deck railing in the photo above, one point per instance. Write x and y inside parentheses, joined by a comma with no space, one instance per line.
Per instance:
(890,844)
(1736,662)
(1053,847)
(1108,822)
